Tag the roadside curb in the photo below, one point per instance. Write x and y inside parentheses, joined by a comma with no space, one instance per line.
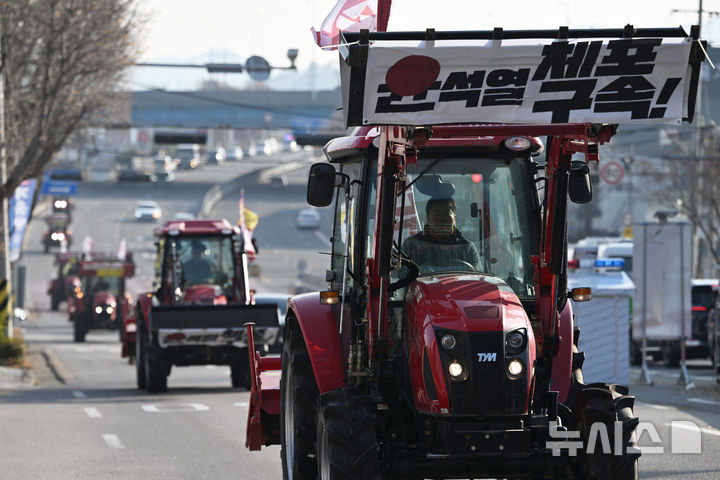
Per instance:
(16,377)
(56,366)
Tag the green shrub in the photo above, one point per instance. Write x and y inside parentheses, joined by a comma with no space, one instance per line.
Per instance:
(11,350)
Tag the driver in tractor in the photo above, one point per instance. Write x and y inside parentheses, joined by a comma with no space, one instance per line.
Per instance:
(198,270)
(440,244)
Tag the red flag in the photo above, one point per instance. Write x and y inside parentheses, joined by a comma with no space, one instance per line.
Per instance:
(352,16)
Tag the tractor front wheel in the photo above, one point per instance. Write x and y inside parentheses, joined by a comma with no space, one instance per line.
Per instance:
(600,407)
(346,440)
(155,369)
(140,347)
(299,394)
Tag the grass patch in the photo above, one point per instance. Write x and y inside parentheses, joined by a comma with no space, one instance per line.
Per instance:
(12,350)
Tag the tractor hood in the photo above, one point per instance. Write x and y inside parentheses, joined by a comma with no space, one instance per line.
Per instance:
(103,298)
(469,303)
(206,294)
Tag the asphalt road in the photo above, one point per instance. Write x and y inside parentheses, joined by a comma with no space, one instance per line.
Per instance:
(97,425)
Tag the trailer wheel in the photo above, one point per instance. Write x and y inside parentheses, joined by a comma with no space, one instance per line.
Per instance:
(299,395)
(599,403)
(346,440)
(155,369)
(140,347)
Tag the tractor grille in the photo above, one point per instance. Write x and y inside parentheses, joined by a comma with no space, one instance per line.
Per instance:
(482,393)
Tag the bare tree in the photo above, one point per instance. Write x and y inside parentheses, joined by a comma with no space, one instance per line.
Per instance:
(690,186)
(62,61)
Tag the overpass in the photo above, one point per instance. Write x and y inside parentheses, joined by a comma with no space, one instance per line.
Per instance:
(241,109)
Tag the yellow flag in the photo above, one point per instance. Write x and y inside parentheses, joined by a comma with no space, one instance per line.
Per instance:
(251,219)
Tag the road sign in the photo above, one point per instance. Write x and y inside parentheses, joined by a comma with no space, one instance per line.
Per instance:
(612,172)
(258,68)
(64,188)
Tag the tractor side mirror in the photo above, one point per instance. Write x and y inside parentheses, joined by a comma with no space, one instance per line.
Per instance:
(580,186)
(321,185)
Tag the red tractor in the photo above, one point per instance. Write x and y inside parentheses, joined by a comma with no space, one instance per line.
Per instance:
(200,302)
(62,287)
(445,346)
(100,301)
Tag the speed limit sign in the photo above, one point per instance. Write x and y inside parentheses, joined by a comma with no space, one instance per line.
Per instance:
(612,172)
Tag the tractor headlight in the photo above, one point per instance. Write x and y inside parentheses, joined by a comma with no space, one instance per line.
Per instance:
(448,342)
(457,371)
(515,342)
(109,309)
(515,368)
(98,309)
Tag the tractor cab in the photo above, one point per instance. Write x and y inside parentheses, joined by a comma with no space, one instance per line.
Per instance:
(202,262)
(101,300)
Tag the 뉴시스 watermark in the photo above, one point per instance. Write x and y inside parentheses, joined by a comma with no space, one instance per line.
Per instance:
(685,437)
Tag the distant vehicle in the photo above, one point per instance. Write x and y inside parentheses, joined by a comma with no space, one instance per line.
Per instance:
(308,218)
(148,210)
(280,301)
(216,156)
(184,216)
(187,156)
(623,250)
(267,146)
(235,153)
(57,233)
(163,163)
(278,182)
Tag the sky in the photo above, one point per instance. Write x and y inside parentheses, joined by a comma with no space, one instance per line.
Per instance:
(188,31)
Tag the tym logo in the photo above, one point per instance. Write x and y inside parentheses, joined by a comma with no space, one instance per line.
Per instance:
(487,357)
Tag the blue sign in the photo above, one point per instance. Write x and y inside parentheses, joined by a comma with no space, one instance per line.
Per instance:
(64,188)
(19,215)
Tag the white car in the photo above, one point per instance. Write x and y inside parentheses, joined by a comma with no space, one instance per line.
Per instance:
(308,218)
(148,211)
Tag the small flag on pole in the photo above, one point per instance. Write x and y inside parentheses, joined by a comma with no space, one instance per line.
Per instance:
(247,222)
(352,16)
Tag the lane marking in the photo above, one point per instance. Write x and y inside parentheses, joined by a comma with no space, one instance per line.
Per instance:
(323,238)
(693,428)
(652,405)
(242,404)
(92,412)
(177,407)
(79,394)
(703,401)
(113,441)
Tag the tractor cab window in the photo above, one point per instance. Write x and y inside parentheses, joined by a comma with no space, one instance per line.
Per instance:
(205,260)
(344,228)
(470,214)
(101,284)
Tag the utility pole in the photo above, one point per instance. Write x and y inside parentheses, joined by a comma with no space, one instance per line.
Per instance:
(6,319)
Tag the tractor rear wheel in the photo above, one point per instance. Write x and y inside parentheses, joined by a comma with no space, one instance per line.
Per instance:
(299,395)
(347,447)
